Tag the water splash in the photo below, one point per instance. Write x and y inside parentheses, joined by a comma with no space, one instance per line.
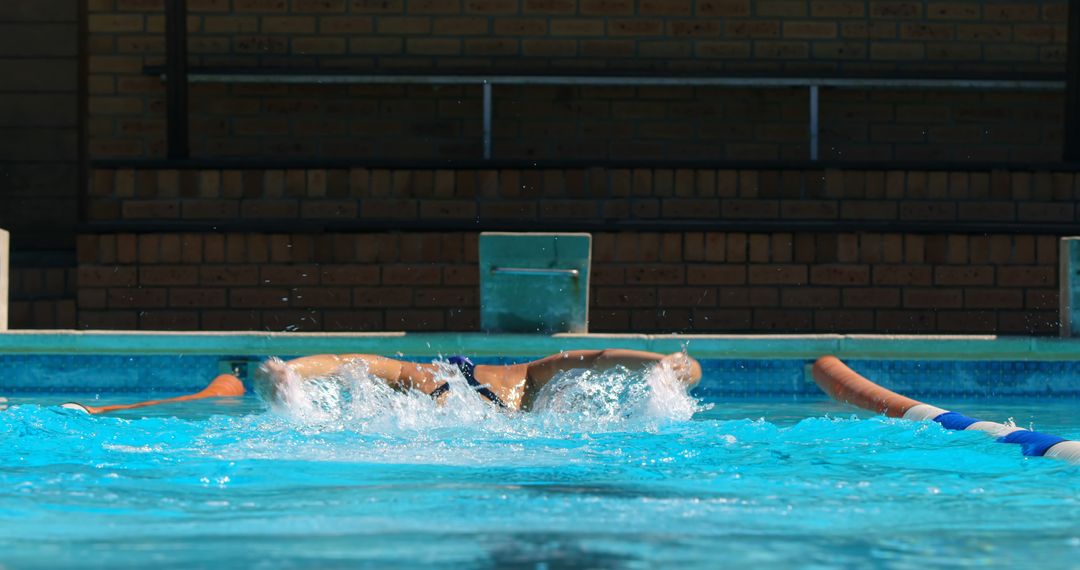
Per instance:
(616,398)
(575,400)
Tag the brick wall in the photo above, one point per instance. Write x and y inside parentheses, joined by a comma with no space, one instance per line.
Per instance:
(645,282)
(42,298)
(336,282)
(39,157)
(583,196)
(743,250)
(824,282)
(949,277)
(39,175)
(797,36)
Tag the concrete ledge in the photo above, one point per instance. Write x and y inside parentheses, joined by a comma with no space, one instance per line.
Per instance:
(906,347)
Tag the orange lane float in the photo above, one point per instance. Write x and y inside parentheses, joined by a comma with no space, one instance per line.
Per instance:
(845,385)
(225,385)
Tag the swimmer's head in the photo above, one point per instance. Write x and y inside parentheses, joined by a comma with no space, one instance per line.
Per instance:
(686,369)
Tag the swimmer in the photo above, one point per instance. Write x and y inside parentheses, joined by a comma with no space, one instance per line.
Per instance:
(512,386)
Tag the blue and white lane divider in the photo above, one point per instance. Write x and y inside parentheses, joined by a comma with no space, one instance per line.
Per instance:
(1032,443)
(845,385)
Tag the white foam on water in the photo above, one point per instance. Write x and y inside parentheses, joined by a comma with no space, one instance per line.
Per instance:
(575,400)
(616,398)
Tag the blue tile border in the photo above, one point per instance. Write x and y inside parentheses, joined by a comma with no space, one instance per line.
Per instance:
(723,377)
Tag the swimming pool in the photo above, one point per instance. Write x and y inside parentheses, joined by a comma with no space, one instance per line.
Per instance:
(756,470)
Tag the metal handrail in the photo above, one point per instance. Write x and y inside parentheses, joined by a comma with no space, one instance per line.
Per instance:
(487,81)
(287,77)
(535,271)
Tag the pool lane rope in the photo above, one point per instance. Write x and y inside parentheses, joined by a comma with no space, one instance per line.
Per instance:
(845,385)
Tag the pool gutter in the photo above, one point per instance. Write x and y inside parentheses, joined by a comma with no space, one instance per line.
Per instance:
(936,347)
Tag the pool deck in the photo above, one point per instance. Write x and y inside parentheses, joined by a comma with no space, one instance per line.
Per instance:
(923,347)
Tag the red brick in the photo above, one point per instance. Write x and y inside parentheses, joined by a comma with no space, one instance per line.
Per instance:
(168,320)
(654,275)
(321,297)
(1011,12)
(150,209)
(673,320)
(715,274)
(108,320)
(289,274)
(778,274)
(808,209)
(447,297)
(671,247)
(415,320)
(197,297)
(229,275)
(382,297)
(461,275)
(759,249)
(953,11)
(1041,299)
(843,321)
(106,276)
(901,10)
(917,298)
(1028,322)
(928,211)
(410,275)
(840,275)
(966,321)
(868,210)
(168,275)
(966,275)
(810,297)
(609,320)
(1044,212)
(87,299)
(625,296)
(1047,250)
(1026,276)
(783,320)
(751,209)
(258,298)
(137,298)
(902,275)
(210,209)
(328,209)
(907,321)
(353,321)
(988,211)
(782,247)
(736,247)
(388,209)
(270,209)
(723,8)
(686,297)
(914,248)
(993,299)
(874,297)
(690,208)
(349,275)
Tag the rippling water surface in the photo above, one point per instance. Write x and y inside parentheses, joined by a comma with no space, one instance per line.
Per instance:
(613,470)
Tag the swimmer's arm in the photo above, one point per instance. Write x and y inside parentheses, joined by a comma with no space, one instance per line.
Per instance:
(686,368)
(398,374)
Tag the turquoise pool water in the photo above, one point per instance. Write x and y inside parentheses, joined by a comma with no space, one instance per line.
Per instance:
(625,474)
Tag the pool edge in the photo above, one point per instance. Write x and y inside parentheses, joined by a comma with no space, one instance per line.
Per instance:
(926,347)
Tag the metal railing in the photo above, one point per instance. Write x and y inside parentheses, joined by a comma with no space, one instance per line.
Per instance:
(177,87)
(487,82)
